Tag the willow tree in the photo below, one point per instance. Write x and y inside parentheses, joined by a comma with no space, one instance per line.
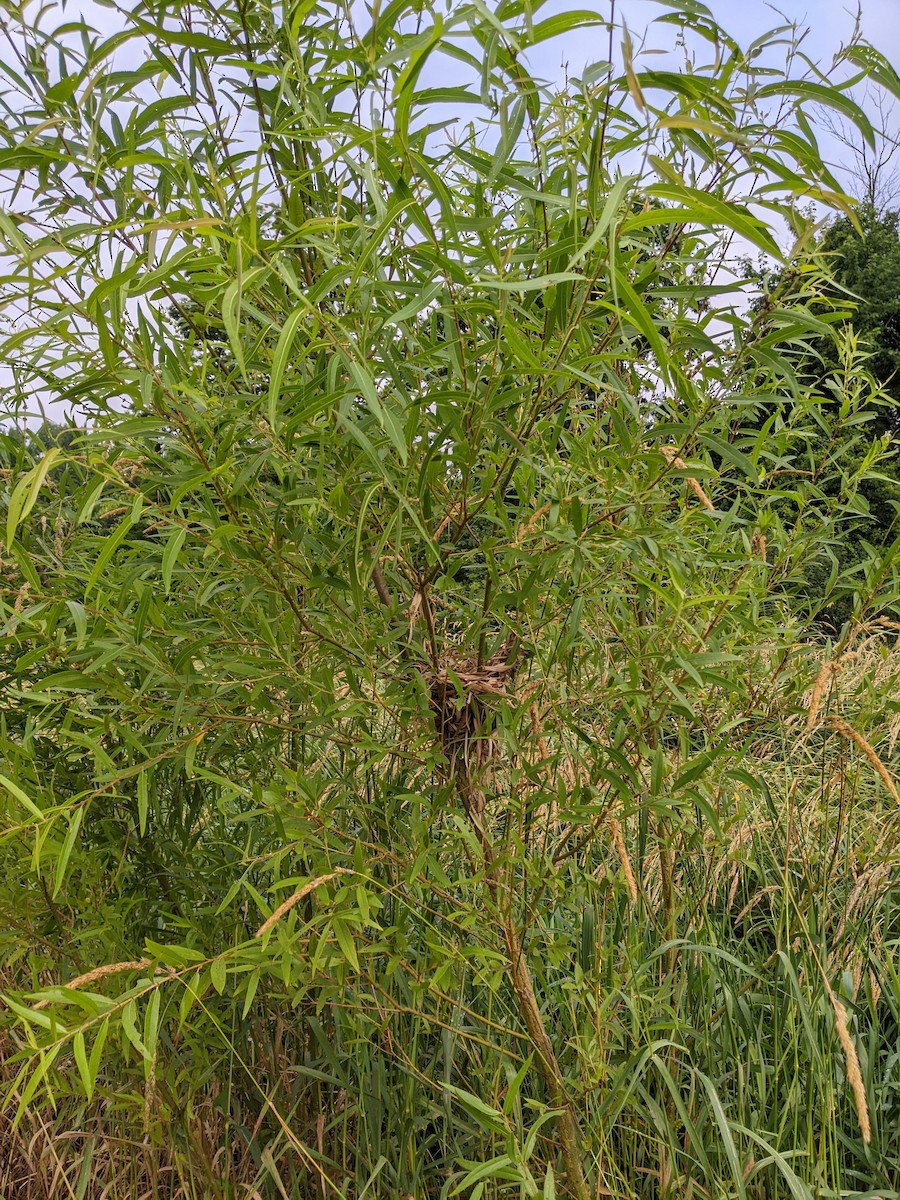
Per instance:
(402,623)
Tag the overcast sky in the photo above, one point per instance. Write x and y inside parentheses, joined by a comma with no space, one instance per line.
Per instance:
(830,23)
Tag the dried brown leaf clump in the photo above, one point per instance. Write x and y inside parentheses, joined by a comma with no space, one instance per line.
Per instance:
(458,689)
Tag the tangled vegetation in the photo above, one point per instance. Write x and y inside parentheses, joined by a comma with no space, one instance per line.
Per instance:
(426,768)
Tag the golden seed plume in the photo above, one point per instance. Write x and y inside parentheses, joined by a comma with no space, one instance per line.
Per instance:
(139,964)
(853,735)
(538,731)
(854,1074)
(818,692)
(875,988)
(531,524)
(622,852)
(298,896)
(672,458)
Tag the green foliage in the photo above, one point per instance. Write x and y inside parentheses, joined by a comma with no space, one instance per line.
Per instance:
(408,647)
(866,262)
(862,257)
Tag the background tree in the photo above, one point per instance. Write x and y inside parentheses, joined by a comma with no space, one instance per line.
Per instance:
(872,169)
(860,257)
(865,260)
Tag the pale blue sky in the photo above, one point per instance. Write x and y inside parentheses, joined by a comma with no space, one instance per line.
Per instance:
(830,23)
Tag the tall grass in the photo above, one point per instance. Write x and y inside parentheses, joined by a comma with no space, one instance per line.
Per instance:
(730,1030)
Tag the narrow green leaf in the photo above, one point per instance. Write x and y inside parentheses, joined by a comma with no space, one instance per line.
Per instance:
(129,1028)
(345,941)
(561,23)
(826,94)
(143,800)
(22,797)
(711,211)
(280,360)
(81,1061)
(68,845)
(610,211)
(218,974)
(404,90)
(26,492)
(170,556)
(110,546)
